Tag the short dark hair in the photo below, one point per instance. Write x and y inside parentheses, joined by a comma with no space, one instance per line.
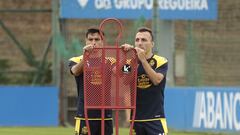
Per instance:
(145,29)
(92,30)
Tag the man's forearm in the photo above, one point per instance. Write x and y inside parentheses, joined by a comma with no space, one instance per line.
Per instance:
(77,69)
(155,77)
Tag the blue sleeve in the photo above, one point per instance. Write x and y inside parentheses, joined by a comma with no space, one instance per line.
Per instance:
(162,69)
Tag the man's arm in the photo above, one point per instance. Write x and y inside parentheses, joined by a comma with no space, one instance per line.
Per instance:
(77,69)
(155,77)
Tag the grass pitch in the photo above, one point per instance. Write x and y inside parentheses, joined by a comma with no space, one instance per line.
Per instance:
(70,131)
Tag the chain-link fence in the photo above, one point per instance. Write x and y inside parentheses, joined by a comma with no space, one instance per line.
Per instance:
(210,49)
(25,39)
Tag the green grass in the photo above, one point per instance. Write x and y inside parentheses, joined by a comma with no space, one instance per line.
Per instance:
(70,131)
(36,131)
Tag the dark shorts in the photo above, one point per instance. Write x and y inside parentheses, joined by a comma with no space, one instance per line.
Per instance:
(95,127)
(157,127)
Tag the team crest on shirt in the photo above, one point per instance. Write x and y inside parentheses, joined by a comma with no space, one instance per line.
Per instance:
(143,81)
(133,132)
(152,63)
(84,130)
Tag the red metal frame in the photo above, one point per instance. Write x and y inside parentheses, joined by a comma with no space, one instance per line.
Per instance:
(105,94)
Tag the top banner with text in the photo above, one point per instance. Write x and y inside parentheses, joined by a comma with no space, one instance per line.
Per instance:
(133,9)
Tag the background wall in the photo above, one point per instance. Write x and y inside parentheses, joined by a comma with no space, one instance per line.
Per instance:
(29,106)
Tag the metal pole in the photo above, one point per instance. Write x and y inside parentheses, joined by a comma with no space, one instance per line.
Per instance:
(57,64)
(163,32)
(55,31)
(155,28)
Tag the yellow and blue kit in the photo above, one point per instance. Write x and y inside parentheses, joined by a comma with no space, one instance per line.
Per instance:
(150,117)
(94,116)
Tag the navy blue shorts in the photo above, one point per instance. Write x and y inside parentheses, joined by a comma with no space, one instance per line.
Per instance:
(95,127)
(156,127)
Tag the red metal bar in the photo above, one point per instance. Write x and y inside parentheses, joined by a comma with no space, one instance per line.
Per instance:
(103,93)
(117,63)
(110,107)
(85,99)
(119,103)
(119,24)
